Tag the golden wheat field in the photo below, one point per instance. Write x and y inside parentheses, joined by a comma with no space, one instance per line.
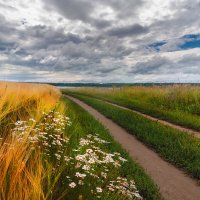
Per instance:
(21,170)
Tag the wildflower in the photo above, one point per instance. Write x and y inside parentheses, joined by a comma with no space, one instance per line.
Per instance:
(86,167)
(19,123)
(72,185)
(122,159)
(80,175)
(111,189)
(80,157)
(84,142)
(66,158)
(91,161)
(78,165)
(80,182)
(45,143)
(98,189)
(31,119)
(57,156)
(89,151)
(137,195)
(103,174)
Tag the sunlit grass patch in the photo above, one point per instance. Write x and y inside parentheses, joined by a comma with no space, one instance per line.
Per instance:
(179,104)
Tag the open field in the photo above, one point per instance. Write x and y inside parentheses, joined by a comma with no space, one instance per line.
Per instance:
(173,182)
(50,148)
(175,146)
(179,104)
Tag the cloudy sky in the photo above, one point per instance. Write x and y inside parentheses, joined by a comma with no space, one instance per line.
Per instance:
(100,40)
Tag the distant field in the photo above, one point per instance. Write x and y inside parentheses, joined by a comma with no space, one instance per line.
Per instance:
(50,148)
(179,104)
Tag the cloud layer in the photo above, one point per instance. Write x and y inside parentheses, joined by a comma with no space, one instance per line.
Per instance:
(100,40)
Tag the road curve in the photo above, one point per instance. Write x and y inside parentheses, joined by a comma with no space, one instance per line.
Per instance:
(173,183)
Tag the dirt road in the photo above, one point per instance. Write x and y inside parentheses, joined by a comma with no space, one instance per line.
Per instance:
(175,126)
(173,183)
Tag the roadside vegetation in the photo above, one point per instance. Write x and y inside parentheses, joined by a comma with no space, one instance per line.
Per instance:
(174,146)
(179,104)
(50,148)
(85,125)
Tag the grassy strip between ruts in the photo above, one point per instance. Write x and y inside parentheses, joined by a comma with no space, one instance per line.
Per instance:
(175,146)
(84,123)
(177,117)
(174,116)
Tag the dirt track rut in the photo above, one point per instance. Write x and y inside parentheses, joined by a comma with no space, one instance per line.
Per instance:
(175,126)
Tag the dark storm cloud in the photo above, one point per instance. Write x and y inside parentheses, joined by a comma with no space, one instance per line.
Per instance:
(126,31)
(123,8)
(75,10)
(190,64)
(45,48)
(6,29)
(161,65)
(100,24)
(82,10)
(52,35)
(184,18)
(153,66)
(6,46)
(8,34)
(106,70)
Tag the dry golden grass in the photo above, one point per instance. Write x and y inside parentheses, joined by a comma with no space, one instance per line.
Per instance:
(181,97)
(21,168)
(33,98)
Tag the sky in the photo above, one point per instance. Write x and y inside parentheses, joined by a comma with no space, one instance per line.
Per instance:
(100,40)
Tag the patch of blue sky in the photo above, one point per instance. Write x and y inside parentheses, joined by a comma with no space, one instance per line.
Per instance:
(157,45)
(190,41)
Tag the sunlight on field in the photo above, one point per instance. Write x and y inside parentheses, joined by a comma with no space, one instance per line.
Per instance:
(21,168)
(179,97)
(31,97)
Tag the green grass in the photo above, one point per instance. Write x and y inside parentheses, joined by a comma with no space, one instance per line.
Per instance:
(178,117)
(84,123)
(179,105)
(174,146)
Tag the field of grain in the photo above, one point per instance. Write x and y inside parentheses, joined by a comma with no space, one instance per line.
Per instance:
(21,108)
